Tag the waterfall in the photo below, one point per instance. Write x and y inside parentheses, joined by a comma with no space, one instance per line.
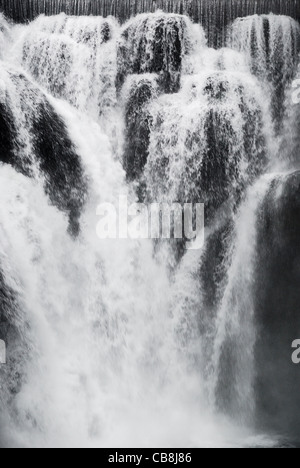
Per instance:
(204,135)
(28,124)
(271,44)
(82,65)
(276,303)
(140,342)
(233,361)
(290,144)
(4,33)
(214,15)
(156,44)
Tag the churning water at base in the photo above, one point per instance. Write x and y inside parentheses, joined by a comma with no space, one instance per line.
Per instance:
(127,343)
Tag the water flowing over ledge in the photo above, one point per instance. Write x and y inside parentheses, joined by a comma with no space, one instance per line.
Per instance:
(214,15)
(131,343)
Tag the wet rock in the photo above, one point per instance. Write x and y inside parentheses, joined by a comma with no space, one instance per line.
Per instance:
(208,145)
(33,133)
(142,90)
(277,298)
(272,44)
(154,43)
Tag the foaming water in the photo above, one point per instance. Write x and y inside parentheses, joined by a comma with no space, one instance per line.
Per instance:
(75,59)
(191,130)
(86,304)
(127,342)
(271,44)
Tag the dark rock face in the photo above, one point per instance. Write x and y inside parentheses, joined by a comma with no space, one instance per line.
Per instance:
(154,44)
(218,171)
(138,121)
(7,134)
(64,177)
(51,148)
(277,298)
(106,32)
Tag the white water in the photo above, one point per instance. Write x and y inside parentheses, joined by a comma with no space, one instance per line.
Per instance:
(86,304)
(235,321)
(70,58)
(112,351)
(180,131)
(268,41)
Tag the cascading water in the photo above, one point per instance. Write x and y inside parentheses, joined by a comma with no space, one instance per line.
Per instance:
(214,15)
(29,123)
(74,59)
(211,133)
(158,44)
(134,342)
(271,44)
(4,32)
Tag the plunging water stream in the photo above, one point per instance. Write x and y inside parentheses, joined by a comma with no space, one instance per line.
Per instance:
(131,342)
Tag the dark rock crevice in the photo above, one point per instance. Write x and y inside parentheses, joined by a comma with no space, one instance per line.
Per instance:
(51,149)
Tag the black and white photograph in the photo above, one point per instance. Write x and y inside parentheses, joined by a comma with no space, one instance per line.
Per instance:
(149,226)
